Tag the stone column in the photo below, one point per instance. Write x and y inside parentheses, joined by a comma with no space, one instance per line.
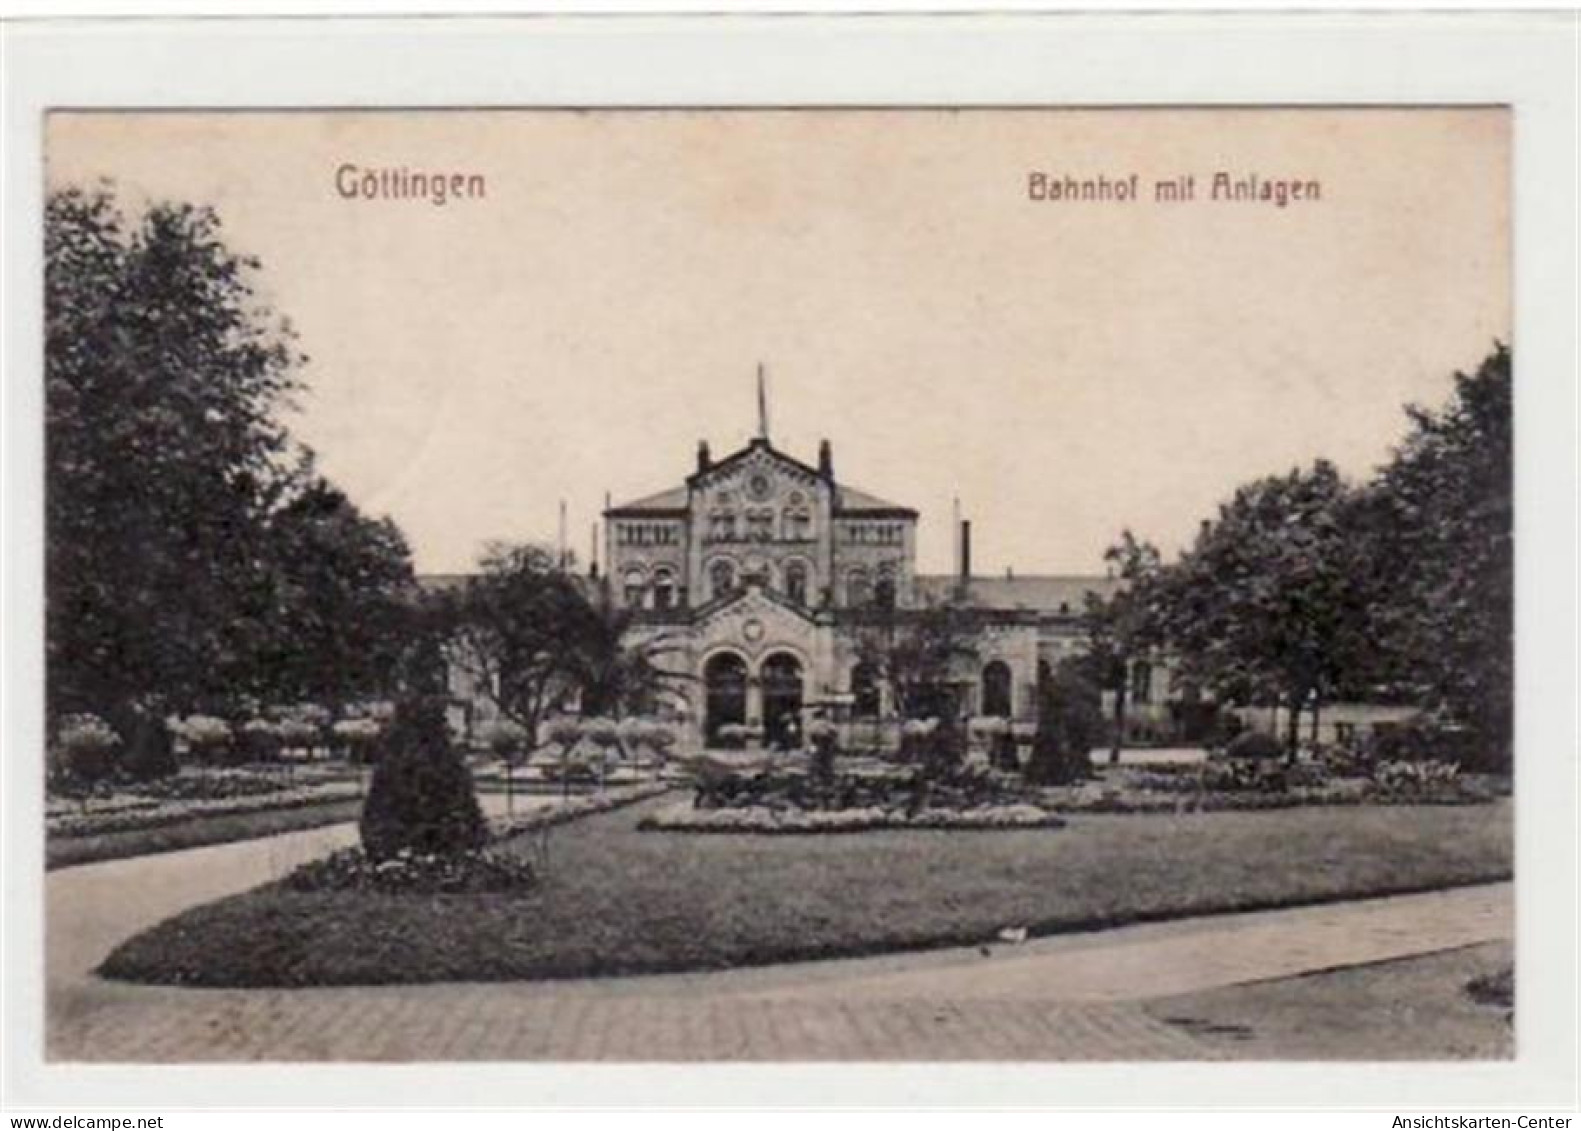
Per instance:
(754,700)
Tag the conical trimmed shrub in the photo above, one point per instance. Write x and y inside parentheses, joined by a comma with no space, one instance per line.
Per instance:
(421,797)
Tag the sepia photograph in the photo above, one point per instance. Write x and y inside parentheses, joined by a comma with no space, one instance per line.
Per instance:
(1015,584)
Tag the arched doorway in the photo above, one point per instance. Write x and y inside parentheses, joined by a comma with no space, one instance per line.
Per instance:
(725,690)
(782,699)
(996,689)
(864,691)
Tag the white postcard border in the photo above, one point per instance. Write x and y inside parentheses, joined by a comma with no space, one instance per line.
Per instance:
(1525,61)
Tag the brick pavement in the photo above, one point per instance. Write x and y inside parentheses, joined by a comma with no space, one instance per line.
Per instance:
(1074,997)
(1070,997)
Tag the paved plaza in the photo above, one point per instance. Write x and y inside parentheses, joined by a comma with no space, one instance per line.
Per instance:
(1069,997)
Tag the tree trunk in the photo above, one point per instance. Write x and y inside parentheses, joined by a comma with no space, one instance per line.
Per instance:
(1293,727)
(1118,737)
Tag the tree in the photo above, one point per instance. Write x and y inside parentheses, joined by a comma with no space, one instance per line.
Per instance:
(342,589)
(518,629)
(1124,626)
(619,665)
(917,654)
(1267,605)
(1070,722)
(1442,542)
(164,380)
(421,798)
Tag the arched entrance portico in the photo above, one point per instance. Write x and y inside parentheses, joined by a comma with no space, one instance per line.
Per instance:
(725,694)
(781,680)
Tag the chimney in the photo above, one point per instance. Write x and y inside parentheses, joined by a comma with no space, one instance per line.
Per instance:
(825,459)
(966,551)
(704,460)
(592,542)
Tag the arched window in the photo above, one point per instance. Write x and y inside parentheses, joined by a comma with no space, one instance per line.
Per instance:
(721,578)
(996,689)
(796,582)
(633,584)
(864,690)
(663,589)
(858,589)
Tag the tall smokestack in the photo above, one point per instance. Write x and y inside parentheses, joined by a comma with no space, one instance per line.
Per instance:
(955,532)
(966,552)
(592,550)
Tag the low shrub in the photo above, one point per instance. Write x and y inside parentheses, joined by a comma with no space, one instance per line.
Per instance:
(1413,779)
(1254,745)
(259,740)
(208,738)
(357,738)
(85,751)
(1427,740)
(406,872)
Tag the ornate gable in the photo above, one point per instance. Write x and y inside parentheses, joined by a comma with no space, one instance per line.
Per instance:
(760,471)
(755,623)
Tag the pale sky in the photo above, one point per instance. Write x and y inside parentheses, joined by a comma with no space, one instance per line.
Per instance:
(1067,368)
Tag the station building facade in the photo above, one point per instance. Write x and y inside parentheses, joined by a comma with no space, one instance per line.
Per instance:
(755,579)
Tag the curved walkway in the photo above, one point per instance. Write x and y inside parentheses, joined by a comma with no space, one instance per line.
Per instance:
(1070,997)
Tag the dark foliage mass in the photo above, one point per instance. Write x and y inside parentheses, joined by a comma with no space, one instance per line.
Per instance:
(421,800)
(1070,724)
(1305,589)
(194,556)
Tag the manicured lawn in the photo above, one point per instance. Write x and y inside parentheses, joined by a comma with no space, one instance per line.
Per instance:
(616,900)
(64,851)
(1422,1008)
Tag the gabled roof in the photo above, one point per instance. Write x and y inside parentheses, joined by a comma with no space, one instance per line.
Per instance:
(1062,594)
(848,500)
(757,443)
(663,502)
(673,503)
(443,582)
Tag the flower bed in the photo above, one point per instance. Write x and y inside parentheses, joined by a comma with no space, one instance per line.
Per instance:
(1189,791)
(475,873)
(763,819)
(472,873)
(133,812)
(908,789)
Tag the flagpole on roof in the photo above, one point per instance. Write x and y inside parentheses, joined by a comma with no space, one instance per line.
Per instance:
(763,405)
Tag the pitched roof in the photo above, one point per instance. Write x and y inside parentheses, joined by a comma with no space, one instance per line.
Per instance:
(848,500)
(442,582)
(1045,593)
(672,500)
